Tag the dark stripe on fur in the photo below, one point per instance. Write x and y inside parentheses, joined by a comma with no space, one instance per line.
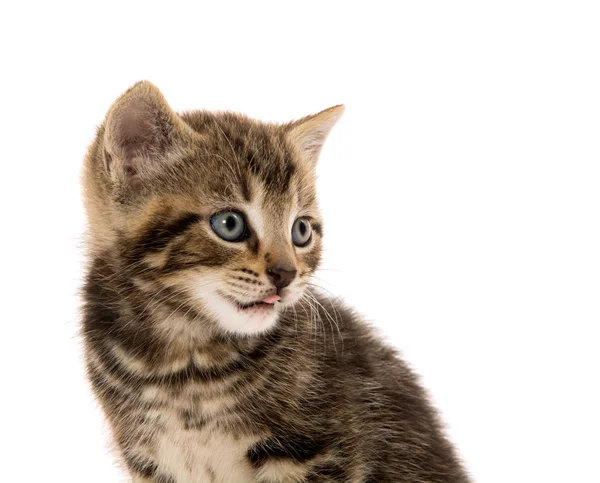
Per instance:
(161,232)
(294,446)
(146,469)
(141,467)
(192,373)
(202,250)
(317,228)
(191,420)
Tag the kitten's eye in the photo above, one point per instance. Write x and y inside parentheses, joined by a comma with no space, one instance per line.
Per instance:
(229,225)
(301,232)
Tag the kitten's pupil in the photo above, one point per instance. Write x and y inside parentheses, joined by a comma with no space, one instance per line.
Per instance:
(302,228)
(230,223)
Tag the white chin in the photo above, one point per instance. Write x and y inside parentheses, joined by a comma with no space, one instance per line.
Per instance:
(248,321)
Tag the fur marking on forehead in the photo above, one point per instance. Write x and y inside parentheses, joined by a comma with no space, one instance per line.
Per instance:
(268,212)
(255,213)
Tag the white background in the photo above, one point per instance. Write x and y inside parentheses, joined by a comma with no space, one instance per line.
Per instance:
(461,194)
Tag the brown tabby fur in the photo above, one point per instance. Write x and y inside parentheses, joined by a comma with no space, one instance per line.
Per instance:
(313,397)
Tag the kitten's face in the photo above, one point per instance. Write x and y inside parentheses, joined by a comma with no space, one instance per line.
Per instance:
(229,254)
(258,262)
(216,211)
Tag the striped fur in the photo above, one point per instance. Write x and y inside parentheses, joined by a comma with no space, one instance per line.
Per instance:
(196,388)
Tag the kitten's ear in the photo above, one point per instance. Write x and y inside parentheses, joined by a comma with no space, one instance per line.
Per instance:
(309,133)
(139,130)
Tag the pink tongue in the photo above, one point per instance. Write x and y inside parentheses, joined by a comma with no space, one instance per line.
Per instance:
(271,299)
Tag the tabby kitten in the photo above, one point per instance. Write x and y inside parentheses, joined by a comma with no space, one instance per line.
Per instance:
(204,342)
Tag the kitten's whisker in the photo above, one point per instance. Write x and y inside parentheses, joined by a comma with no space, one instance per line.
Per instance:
(295,321)
(320,287)
(315,318)
(334,298)
(332,321)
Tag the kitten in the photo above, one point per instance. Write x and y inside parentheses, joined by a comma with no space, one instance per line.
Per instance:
(204,342)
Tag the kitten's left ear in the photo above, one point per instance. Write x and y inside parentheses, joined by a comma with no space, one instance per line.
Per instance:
(309,133)
(140,130)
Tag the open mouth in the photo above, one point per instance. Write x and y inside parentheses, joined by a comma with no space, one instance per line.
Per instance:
(268,303)
(250,305)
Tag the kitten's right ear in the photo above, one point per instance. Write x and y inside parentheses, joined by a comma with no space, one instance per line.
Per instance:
(309,133)
(139,130)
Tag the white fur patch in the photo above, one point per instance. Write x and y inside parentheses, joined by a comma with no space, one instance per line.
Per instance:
(230,317)
(254,212)
(192,456)
(281,471)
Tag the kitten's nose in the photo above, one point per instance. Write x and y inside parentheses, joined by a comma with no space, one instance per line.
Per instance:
(281,276)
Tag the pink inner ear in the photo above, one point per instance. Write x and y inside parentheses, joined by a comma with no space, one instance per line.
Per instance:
(313,143)
(135,128)
(140,130)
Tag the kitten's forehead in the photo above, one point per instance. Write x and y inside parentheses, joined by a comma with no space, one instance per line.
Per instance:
(250,163)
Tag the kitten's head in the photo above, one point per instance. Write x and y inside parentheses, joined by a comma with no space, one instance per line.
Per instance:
(215,209)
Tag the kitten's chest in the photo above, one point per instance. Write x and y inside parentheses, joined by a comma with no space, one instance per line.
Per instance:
(196,441)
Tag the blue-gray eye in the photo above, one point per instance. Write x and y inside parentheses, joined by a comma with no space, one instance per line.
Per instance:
(301,232)
(229,225)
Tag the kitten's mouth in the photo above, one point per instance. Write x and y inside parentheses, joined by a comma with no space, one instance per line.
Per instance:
(268,303)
